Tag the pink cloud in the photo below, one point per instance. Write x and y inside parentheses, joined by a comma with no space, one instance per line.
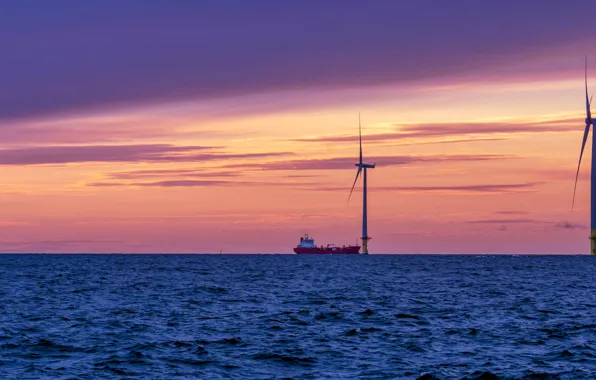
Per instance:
(165,153)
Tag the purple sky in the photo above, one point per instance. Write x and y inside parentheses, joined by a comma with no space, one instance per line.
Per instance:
(64,56)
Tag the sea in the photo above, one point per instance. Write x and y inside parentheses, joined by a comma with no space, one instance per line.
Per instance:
(297,317)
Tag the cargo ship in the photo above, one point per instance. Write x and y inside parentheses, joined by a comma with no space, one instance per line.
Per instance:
(307,247)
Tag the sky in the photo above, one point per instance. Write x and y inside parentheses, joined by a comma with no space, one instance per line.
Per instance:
(200,126)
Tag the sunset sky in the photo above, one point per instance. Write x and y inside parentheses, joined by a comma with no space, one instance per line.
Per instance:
(195,126)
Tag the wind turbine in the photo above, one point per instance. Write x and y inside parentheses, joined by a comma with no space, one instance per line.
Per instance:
(362,168)
(589,122)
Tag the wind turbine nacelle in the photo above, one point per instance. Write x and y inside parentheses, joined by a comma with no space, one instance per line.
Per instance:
(368,166)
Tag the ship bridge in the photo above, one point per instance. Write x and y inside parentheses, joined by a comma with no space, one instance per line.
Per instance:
(306,242)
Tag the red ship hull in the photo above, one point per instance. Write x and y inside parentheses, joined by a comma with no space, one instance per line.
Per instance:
(350,250)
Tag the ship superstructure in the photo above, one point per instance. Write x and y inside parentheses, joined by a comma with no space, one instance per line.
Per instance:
(307,246)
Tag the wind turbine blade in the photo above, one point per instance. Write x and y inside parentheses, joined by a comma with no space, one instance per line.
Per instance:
(355,180)
(360,135)
(588,101)
(586,131)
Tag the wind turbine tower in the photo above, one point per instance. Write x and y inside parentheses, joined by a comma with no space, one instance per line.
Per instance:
(362,168)
(589,122)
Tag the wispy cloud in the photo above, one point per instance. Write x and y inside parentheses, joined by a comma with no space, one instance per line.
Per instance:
(164,153)
(172,183)
(194,183)
(452,141)
(511,212)
(570,226)
(157,173)
(443,130)
(97,129)
(457,129)
(339,163)
(482,189)
(504,221)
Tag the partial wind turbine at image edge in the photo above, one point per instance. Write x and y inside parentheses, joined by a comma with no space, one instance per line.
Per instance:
(589,122)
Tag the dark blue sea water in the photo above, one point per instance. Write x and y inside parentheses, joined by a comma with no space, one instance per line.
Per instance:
(301,317)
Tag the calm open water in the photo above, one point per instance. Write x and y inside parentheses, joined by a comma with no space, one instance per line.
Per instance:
(301,317)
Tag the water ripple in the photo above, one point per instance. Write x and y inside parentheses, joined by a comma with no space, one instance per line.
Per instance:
(288,316)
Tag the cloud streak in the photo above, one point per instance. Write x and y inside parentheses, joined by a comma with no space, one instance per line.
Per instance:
(157,173)
(341,163)
(570,226)
(503,222)
(163,153)
(172,183)
(461,189)
(445,130)
(511,212)
(111,130)
(195,183)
